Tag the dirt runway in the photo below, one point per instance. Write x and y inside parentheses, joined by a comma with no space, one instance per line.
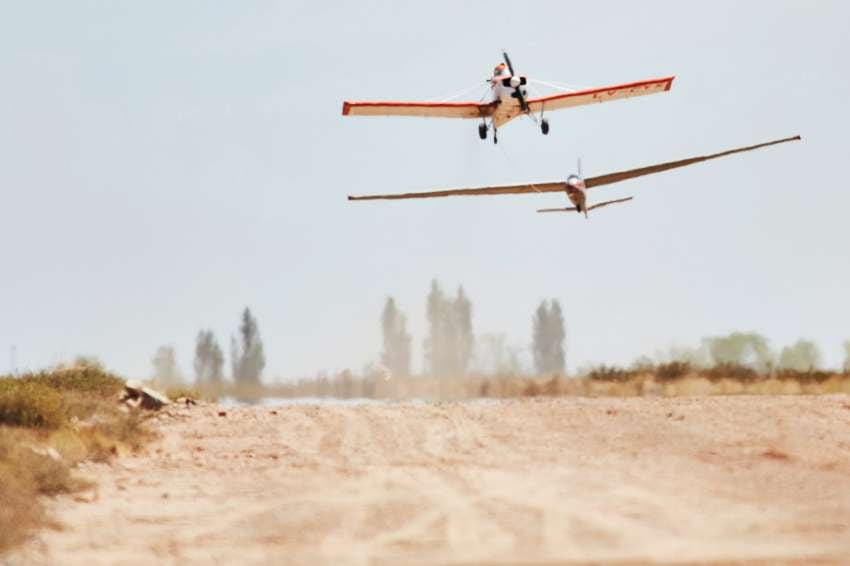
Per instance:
(752,479)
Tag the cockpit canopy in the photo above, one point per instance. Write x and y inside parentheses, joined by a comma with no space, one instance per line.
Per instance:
(501,69)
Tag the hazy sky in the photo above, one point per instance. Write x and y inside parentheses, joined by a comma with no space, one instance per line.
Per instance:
(164,164)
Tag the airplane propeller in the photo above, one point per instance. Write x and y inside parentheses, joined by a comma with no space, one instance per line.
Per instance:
(516,82)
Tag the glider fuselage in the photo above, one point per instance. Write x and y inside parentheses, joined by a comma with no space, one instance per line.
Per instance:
(577,193)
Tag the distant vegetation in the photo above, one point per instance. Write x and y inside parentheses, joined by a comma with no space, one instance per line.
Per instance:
(670,379)
(738,363)
(209,359)
(247,359)
(450,341)
(548,338)
(750,350)
(396,354)
(846,356)
(165,370)
(451,351)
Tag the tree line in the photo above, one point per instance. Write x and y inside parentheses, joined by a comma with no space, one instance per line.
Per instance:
(450,344)
(247,357)
(753,350)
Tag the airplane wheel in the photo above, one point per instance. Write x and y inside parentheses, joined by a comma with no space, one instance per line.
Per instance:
(482,131)
(544,127)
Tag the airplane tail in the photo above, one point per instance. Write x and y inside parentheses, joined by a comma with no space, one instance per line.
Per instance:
(607,202)
(587,209)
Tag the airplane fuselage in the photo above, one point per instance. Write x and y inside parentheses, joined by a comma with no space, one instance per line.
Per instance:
(505,89)
(506,93)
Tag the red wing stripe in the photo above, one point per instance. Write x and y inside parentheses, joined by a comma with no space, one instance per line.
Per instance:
(418,104)
(608,89)
(347,105)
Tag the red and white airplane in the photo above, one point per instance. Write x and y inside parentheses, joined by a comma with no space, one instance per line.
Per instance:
(575,186)
(509,99)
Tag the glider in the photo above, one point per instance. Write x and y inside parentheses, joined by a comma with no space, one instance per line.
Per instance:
(575,186)
(509,99)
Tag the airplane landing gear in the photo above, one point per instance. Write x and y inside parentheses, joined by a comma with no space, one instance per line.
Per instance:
(482,131)
(544,127)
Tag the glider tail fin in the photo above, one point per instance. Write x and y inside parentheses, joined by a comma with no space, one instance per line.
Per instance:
(568,209)
(585,209)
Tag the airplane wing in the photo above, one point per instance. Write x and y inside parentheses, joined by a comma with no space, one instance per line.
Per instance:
(601,94)
(640,172)
(421,109)
(500,190)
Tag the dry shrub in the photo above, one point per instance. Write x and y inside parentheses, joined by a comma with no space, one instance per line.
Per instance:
(49,399)
(107,434)
(810,376)
(49,476)
(671,371)
(835,384)
(73,411)
(83,379)
(484,389)
(611,373)
(69,444)
(554,386)
(29,403)
(531,389)
(742,374)
(20,511)
(125,429)
(26,472)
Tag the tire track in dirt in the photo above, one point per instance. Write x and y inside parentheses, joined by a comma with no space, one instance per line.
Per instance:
(751,479)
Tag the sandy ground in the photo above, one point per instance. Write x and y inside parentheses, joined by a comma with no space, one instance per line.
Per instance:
(752,479)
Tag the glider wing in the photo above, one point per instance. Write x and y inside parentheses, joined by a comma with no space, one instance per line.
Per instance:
(500,190)
(641,171)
